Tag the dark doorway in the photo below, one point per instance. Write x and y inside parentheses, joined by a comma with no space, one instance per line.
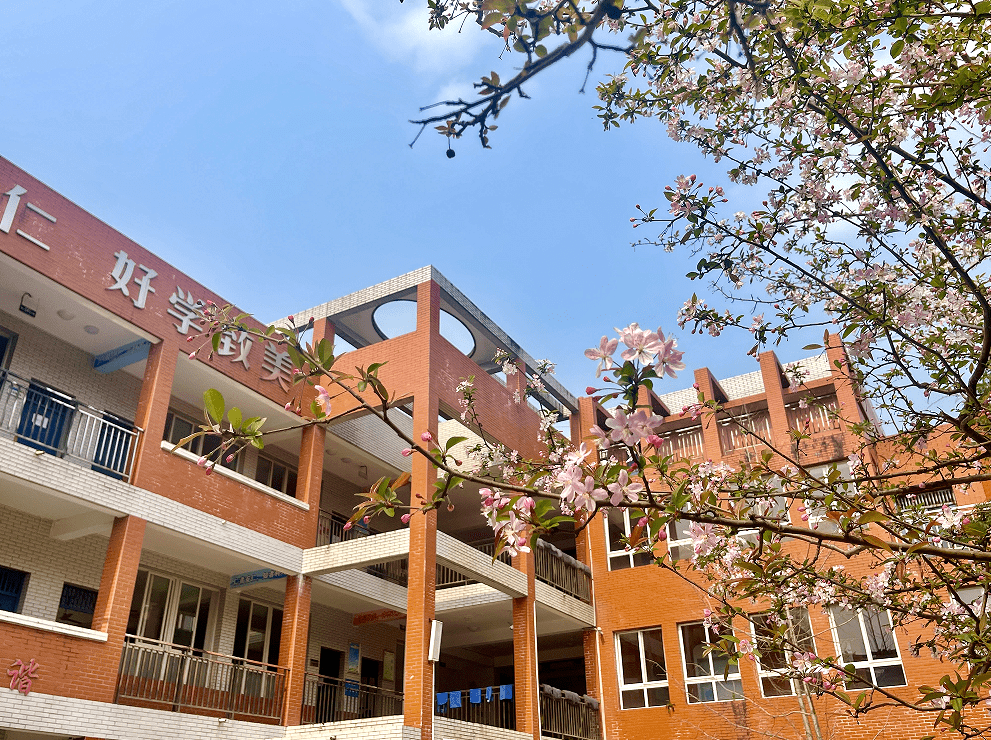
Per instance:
(329,688)
(370,672)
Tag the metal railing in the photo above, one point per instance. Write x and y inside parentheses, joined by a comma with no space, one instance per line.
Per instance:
(562,572)
(685,443)
(490,708)
(39,416)
(450,578)
(564,714)
(327,699)
(330,531)
(745,431)
(927,500)
(819,415)
(163,675)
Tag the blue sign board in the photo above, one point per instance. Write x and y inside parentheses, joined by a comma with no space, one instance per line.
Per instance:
(255,576)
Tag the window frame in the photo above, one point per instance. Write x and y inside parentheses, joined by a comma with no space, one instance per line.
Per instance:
(291,473)
(644,685)
(772,673)
(62,613)
(712,678)
(871,663)
(25,578)
(631,556)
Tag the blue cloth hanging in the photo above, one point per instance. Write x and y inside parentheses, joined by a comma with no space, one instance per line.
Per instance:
(441,701)
(506,691)
(488,693)
(351,689)
(475,696)
(455,700)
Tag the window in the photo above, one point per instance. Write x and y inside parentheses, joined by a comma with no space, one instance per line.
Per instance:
(178,427)
(643,678)
(773,661)
(257,632)
(709,676)
(865,639)
(170,610)
(12,583)
(679,541)
(76,606)
(274,474)
(618,530)
(817,511)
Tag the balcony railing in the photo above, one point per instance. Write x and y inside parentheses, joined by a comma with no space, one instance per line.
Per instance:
(745,431)
(493,706)
(683,443)
(330,531)
(39,416)
(927,500)
(819,415)
(450,578)
(166,676)
(327,699)
(564,714)
(563,572)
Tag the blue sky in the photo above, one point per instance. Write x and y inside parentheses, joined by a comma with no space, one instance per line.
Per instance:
(264,149)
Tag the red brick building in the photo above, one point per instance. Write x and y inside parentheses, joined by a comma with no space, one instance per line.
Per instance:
(141,599)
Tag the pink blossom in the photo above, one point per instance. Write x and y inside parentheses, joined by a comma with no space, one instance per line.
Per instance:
(426,437)
(643,345)
(668,358)
(407,452)
(607,347)
(624,489)
(323,399)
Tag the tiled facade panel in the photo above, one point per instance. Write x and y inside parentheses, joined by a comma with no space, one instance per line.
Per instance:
(452,729)
(334,629)
(25,545)
(380,728)
(42,356)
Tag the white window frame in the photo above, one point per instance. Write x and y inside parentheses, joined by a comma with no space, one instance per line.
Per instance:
(630,554)
(643,685)
(713,678)
(762,672)
(674,543)
(819,472)
(871,663)
(170,611)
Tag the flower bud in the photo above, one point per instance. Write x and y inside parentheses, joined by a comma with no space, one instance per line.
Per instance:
(405,517)
(590,390)
(192,355)
(426,437)
(407,452)
(201,462)
(347,526)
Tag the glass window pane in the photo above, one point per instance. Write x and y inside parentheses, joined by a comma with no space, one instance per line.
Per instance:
(180,429)
(658,696)
(275,637)
(241,628)
(776,686)
(728,690)
(291,483)
(185,621)
(765,630)
(134,618)
(629,651)
(642,558)
(633,699)
(852,648)
(696,661)
(863,680)
(653,653)
(263,471)
(256,633)
(616,521)
(619,562)
(158,594)
(202,619)
(801,627)
(890,675)
(279,477)
(882,642)
(700,692)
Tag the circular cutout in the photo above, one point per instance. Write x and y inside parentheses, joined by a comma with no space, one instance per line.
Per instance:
(395,318)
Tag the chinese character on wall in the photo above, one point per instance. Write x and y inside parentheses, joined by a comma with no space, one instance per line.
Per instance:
(23,675)
(278,366)
(10,210)
(236,345)
(187,310)
(122,273)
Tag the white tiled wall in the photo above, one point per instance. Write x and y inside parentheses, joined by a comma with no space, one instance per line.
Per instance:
(334,629)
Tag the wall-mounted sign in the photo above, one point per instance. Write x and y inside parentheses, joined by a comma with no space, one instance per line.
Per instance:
(354,657)
(10,210)
(256,576)
(23,675)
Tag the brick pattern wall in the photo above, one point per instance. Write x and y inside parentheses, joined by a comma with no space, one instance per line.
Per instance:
(25,545)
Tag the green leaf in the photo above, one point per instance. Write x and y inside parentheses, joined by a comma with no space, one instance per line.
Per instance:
(453,441)
(234,415)
(213,402)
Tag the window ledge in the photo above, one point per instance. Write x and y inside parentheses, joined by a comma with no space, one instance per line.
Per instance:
(50,626)
(242,479)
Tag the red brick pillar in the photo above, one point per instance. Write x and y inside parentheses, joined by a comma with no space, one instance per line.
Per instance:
(710,428)
(590,647)
(418,681)
(527,689)
(292,648)
(120,570)
(153,407)
(310,478)
(843,381)
(774,390)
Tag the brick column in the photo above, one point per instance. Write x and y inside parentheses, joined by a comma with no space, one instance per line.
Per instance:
(292,648)
(842,380)
(309,481)
(153,406)
(120,570)
(525,657)
(774,391)
(418,679)
(710,428)
(590,648)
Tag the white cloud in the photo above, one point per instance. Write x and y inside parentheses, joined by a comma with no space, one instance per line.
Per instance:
(402,33)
